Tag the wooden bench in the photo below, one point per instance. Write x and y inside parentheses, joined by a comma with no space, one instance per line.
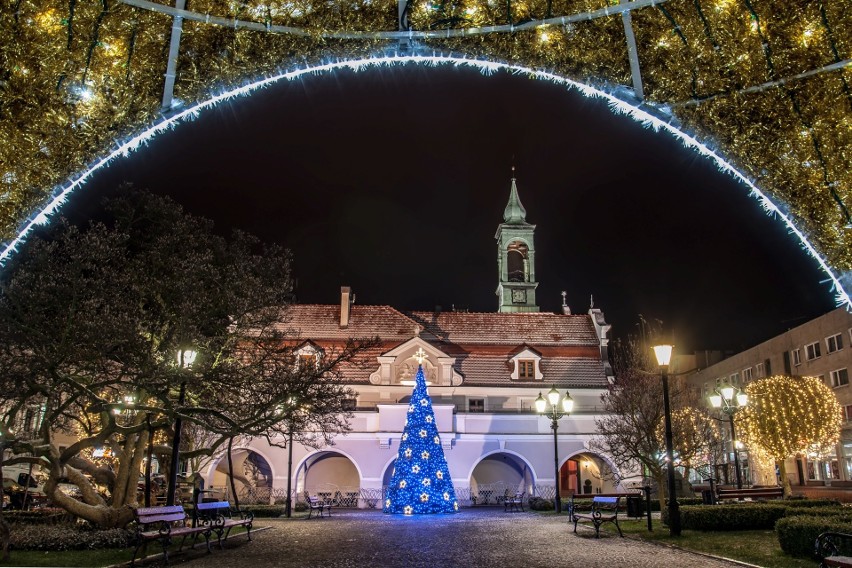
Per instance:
(316,504)
(163,524)
(513,502)
(218,516)
(834,550)
(750,493)
(603,509)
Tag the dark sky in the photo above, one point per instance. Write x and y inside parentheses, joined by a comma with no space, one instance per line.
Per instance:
(393,181)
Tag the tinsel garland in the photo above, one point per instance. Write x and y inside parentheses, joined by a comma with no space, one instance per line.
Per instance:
(77,78)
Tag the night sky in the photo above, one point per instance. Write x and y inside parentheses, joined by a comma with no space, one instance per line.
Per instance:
(393,181)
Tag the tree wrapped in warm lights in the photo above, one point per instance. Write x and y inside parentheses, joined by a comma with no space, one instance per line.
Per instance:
(92,320)
(786,416)
(696,437)
(766,83)
(421,481)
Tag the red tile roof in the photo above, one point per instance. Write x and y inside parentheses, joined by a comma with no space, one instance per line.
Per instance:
(321,321)
(489,328)
(482,343)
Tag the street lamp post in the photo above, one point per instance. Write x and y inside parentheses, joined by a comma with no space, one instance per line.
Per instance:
(664,356)
(554,413)
(288,510)
(148,459)
(185,358)
(730,401)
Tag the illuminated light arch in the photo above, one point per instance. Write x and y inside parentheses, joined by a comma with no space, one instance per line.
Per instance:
(646,116)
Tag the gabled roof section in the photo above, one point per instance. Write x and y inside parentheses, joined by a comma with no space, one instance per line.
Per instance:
(538,328)
(322,321)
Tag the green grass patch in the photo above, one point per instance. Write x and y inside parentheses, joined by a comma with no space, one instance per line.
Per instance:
(110,556)
(88,558)
(759,547)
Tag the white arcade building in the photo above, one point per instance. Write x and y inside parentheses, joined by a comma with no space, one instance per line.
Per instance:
(485,372)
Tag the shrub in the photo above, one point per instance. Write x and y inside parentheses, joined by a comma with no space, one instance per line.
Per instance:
(300,506)
(841,512)
(264,511)
(67,537)
(797,535)
(807,503)
(39,516)
(540,504)
(742,516)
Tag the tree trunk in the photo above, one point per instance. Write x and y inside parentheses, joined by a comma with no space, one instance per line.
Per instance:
(231,475)
(4,526)
(785,481)
(93,508)
(662,491)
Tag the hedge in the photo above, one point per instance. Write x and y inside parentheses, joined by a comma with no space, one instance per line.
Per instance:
(67,537)
(738,517)
(797,534)
(541,504)
(264,511)
(754,515)
(43,516)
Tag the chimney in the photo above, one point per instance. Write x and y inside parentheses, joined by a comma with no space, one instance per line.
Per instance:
(345,302)
(565,309)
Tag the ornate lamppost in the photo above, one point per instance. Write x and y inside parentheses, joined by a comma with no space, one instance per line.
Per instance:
(185,359)
(731,400)
(555,412)
(663,354)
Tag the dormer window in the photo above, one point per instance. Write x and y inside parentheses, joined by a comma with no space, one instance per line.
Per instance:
(308,356)
(526,366)
(307,360)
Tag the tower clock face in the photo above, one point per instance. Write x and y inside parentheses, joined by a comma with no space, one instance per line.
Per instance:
(519,296)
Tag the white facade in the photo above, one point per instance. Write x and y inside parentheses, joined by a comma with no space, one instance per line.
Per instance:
(820,348)
(485,370)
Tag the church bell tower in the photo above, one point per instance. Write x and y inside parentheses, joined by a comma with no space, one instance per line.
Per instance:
(516,258)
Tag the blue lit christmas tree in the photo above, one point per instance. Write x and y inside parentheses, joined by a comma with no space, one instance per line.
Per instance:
(421,481)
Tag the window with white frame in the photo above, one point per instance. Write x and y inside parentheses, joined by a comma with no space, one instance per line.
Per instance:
(839,378)
(834,343)
(797,356)
(735,379)
(526,366)
(758,370)
(747,375)
(812,351)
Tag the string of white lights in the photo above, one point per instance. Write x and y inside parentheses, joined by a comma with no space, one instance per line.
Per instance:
(410,34)
(616,104)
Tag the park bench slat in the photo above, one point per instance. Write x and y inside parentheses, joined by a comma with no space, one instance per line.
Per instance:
(751,493)
(161,524)
(219,517)
(603,509)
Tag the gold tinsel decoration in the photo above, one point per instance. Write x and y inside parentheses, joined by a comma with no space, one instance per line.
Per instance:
(744,76)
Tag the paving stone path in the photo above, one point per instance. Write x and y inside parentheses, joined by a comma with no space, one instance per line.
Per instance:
(476,538)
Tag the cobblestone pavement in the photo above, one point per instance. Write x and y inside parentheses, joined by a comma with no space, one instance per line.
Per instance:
(478,538)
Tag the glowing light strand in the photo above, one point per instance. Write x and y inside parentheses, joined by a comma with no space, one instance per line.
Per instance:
(644,116)
(410,34)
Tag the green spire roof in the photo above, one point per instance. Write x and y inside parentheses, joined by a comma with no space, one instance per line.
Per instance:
(515,214)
